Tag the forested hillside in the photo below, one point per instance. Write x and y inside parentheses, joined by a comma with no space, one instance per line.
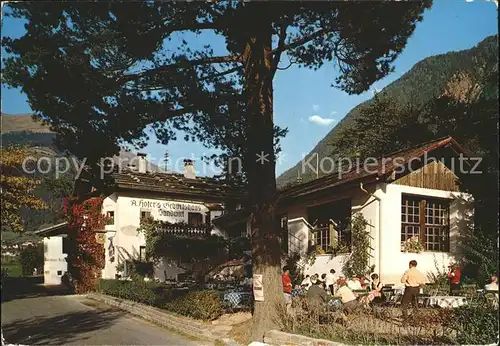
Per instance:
(430,78)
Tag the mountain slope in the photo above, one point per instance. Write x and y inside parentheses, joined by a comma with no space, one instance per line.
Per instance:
(428,79)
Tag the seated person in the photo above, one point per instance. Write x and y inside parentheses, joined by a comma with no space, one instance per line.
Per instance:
(375,294)
(323,281)
(354,284)
(349,302)
(493,285)
(316,295)
(306,283)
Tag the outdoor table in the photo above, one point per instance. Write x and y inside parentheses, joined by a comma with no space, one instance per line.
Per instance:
(360,293)
(238,298)
(298,292)
(334,303)
(446,301)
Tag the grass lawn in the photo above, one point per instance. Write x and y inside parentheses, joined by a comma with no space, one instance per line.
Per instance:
(13,267)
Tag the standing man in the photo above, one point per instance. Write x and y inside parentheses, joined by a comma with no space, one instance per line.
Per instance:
(287,288)
(454,275)
(413,279)
(330,281)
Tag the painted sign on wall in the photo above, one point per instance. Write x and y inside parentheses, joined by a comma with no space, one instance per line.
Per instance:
(167,206)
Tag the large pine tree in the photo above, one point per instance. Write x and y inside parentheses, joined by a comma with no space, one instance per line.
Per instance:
(100,72)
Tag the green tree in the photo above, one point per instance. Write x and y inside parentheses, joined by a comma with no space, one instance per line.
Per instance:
(382,127)
(31,257)
(100,72)
(17,189)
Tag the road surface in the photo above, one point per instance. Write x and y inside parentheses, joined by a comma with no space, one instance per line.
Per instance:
(67,319)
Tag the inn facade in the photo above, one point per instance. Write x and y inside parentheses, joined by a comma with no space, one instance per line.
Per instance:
(186,203)
(415,194)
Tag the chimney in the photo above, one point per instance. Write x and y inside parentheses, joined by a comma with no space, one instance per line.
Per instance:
(189,172)
(142,162)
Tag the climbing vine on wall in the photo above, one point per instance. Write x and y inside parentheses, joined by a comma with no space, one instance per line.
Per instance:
(187,244)
(358,262)
(85,254)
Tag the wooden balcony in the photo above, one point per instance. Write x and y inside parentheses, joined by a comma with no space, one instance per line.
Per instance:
(186,230)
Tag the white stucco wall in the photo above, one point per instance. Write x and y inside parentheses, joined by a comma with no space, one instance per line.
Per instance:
(387,257)
(127,240)
(393,262)
(55,264)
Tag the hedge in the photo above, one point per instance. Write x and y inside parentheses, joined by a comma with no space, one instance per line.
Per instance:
(201,305)
(204,305)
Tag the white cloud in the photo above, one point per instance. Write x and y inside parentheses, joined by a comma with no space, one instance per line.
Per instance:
(315,108)
(376,91)
(333,113)
(316,119)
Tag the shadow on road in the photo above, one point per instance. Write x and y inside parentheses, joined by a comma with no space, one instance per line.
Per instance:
(28,287)
(60,329)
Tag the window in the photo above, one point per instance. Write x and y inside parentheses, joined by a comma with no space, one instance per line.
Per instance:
(142,253)
(145,215)
(195,219)
(427,219)
(332,222)
(110,215)
(284,233)
(322,237)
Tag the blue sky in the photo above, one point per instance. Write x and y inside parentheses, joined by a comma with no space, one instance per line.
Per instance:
(304,100)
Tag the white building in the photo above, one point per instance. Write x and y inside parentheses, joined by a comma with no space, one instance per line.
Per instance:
(133,194)
(408,194)
(55,264)
(174,198)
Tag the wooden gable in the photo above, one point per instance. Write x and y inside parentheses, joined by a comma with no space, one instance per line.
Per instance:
(434,175)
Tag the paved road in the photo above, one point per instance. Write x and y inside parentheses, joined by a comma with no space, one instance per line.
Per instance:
(73,320)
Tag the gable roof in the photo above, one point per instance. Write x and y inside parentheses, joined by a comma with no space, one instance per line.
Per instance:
(203,188)
(58,229)
(381,167)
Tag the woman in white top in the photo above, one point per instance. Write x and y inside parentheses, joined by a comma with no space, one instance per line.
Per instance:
(306,283)
(354,284)
(493,285)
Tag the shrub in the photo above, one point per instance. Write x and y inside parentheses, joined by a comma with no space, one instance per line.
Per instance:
(31,257)
(475,324)
(137,291)
(141,269)
(202,305)
(150,293)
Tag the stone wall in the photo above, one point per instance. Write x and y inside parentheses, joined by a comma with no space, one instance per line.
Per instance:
(181,324)
(277,338)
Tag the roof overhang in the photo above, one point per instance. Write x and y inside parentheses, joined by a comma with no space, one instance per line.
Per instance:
(54,230)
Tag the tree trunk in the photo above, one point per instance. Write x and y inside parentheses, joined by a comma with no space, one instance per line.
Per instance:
(260,168)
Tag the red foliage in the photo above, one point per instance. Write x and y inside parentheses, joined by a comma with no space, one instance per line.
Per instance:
(86,256)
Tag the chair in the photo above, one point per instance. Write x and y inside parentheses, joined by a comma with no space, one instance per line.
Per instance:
(492,298)
(394,299)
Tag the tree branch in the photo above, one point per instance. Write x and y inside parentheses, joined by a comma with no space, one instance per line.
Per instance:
(303,40)
(279,50)
(182,63)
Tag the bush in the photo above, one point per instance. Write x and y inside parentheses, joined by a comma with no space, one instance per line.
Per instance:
(202,305)
(475,324)
(137,291)
(150,293)
(141,269)
(31,257)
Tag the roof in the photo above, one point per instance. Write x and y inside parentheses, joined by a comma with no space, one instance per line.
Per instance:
(53,230)
(204,188)
(383,166)
(232,218)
